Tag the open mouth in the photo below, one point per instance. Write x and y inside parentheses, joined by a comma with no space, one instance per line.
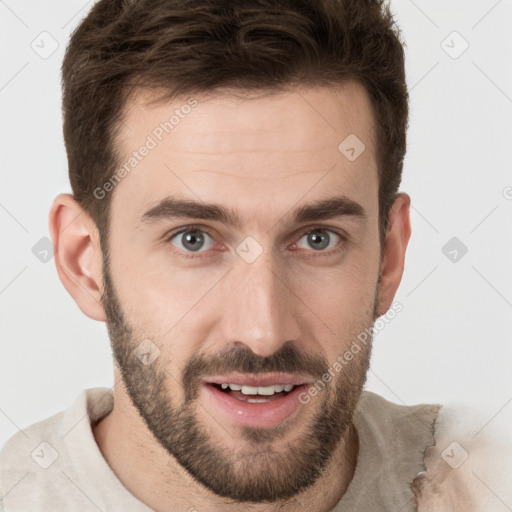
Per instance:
(256,395)
(254,401)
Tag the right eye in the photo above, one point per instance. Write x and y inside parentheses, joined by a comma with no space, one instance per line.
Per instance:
(191,239)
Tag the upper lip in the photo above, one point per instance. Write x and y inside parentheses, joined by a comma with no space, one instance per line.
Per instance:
(261,379)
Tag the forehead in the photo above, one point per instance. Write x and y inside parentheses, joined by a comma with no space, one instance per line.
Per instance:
(250,150)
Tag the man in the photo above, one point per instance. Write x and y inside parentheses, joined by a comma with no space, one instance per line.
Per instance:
(270,135)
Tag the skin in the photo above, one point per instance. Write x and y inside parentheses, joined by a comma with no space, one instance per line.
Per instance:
(233,149)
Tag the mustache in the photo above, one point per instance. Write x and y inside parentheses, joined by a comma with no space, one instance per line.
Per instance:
(288,359)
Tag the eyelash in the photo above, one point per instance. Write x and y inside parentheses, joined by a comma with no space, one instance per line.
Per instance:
(184,229)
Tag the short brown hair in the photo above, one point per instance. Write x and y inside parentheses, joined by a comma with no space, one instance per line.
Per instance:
(194,46)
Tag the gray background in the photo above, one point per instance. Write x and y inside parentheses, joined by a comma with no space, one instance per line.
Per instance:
(452,341)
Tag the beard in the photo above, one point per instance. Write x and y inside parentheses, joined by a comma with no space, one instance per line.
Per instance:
(259,471)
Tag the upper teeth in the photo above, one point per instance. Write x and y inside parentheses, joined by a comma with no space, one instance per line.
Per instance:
(260,390)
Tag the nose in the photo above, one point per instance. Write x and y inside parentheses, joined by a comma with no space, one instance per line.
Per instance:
(260,309)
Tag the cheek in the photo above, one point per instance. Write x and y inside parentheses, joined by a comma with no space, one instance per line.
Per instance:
(345,309)
(158,294)
(341,298)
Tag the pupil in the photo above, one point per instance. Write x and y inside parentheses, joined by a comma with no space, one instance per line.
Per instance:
(314,238)
(193,237)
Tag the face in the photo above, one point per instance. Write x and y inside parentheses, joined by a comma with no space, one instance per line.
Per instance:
(224,313)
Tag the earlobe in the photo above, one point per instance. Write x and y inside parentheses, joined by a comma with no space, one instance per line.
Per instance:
(78,255)
(397,238)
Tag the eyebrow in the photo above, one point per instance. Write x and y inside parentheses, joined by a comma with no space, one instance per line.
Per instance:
(172,207)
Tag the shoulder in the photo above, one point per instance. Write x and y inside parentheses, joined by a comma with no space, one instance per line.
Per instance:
(406,419)
(35,462)
(392,441)
(27,457)
(469,466)
(20,446)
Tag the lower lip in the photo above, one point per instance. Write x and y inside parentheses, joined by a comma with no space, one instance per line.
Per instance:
(259,415)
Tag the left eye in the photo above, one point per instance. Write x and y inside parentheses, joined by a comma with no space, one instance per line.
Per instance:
(320,239)
(194,240)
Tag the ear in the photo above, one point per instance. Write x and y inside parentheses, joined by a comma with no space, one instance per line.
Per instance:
(397,238)
(78,256)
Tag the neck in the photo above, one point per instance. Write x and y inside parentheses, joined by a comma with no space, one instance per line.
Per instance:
(155,478)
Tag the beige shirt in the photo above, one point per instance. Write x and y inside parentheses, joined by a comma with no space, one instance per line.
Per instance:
(56,465)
